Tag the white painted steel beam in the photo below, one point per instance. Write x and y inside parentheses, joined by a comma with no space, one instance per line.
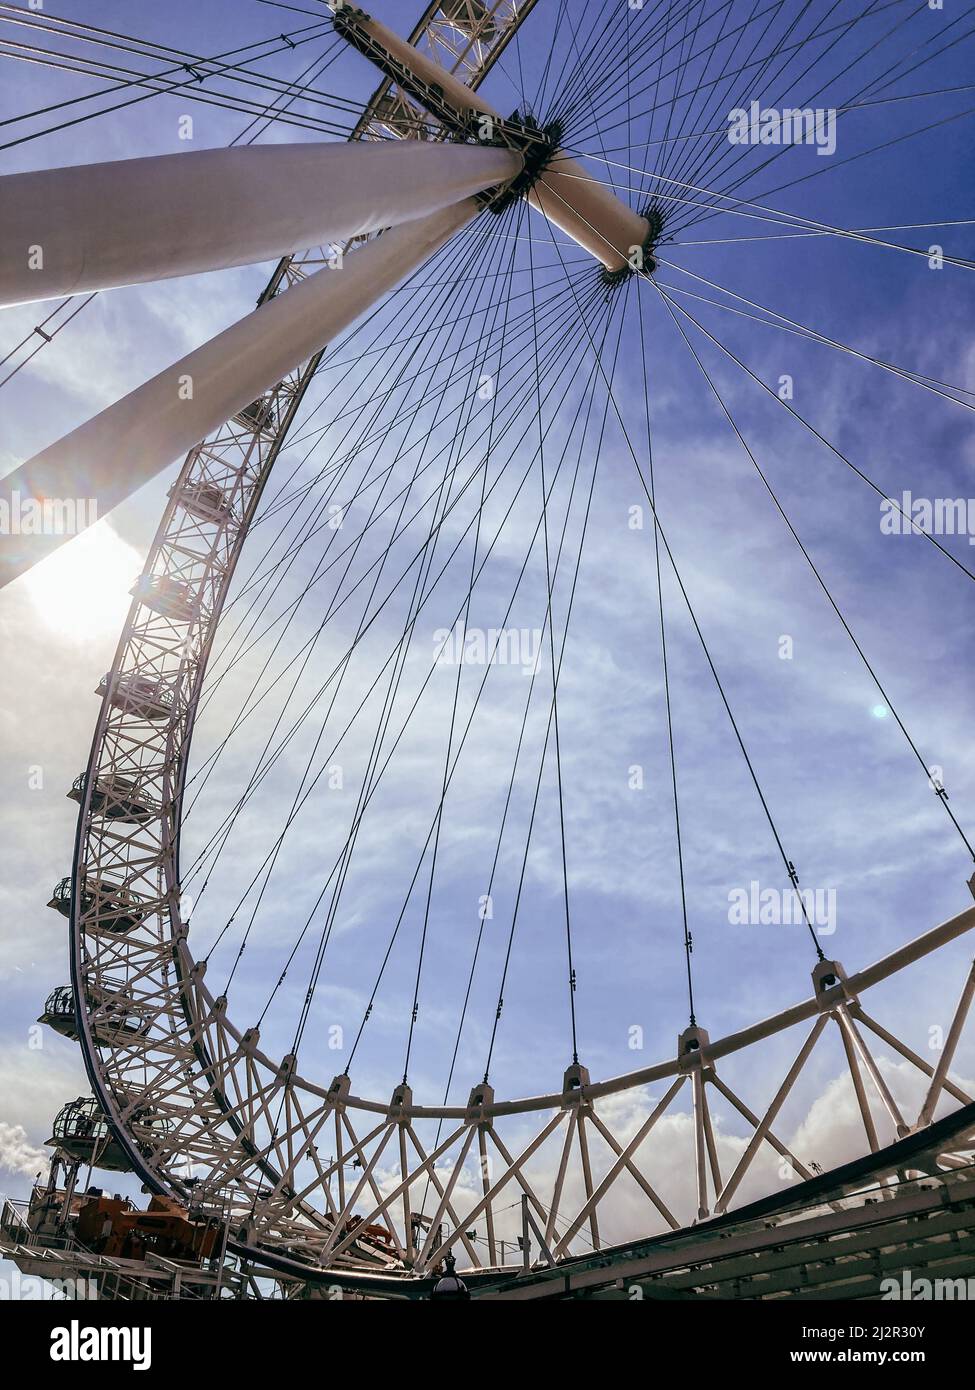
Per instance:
(109,457)
(98,226)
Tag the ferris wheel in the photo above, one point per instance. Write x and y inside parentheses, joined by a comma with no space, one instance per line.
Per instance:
(346,825)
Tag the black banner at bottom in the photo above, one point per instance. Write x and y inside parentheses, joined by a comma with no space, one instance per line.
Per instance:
(252,1338)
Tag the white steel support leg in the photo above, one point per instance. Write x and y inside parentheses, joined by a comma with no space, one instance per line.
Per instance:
(764,1127)
(513,1170)
(709,1136)
(343,1216)
(324,1183)
(883,1090)
(624,1159)
(460,1232)
(112,455)
(861,1095)
(309,1130)
(587,1179)
(485,1187)
(373,1186)
(339,1159)
(560,1179)
(96,226)
(884,1034)
(752,1119)
(404,1170)
(700,1156)
(948,1051)
(385,1203)
(525,1186)
(447,1192)
(326,1173)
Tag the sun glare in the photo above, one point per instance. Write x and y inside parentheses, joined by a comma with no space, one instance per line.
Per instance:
(82,590)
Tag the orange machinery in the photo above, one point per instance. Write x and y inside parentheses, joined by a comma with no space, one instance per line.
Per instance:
(112,1226)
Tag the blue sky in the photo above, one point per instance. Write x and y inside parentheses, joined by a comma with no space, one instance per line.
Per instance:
(852,805)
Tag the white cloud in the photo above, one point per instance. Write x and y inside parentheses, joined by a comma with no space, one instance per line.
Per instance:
(35,1082)
(17,1154)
